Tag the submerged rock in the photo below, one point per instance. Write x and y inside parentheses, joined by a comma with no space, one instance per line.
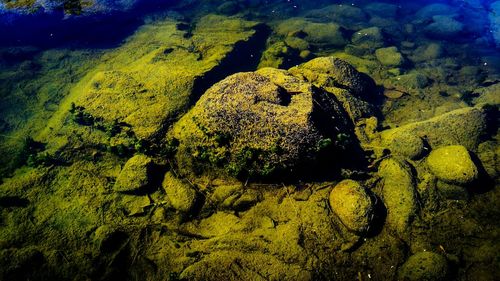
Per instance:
(446,129)
(399,194)
(452,164)
(424,266)
(331,72)
(328,34)
(136,174)
(149,80)
(444,27)
(260,123)
(389,56)
(354,206)
(181,195)
(370,38)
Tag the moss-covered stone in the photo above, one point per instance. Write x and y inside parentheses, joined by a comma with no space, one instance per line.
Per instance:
(328,34)
(180,194)
(331,72)
(446,129)
(136,175)
(258,124)
(407,145)
(389,56)
(452,164)
(424,266)
(369,38)
(152,77)
(352,203)
(399,194)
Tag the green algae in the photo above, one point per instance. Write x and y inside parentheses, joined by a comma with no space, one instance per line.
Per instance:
(65,219)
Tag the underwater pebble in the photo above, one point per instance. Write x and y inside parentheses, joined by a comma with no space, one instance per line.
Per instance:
(352,203)
(135,175)
(426,265)
(452,164)
(181,195)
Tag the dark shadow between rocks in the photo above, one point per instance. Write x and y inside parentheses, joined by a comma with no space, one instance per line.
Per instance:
(245,56)
(484,182)
(379,216)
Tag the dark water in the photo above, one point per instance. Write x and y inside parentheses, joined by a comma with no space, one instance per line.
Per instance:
(104,175)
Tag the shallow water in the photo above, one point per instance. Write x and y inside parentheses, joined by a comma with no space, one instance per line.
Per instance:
(133,150)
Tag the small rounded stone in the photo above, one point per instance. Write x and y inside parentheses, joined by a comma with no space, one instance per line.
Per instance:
(353,205)
(452,164)
(427,266)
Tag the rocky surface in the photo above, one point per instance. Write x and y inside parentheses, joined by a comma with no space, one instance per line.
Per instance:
(424,266)
(224,202)
(353,205)
(452,164)
(258,124)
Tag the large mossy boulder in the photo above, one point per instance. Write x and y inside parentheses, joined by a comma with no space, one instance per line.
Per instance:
(452,164)
(354,206)
(262,123)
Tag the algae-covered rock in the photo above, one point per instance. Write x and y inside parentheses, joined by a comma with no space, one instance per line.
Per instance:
(398,193)
(260,123)
(331,72)
(427,52)
(411,81)
(355,90)
(369,38)
(424,266)
(136,175)
(181,195)
(452,191)
(353,205)
(446,129)
(452,164)
(149,80)
(407,145)
(315,33)
(389,56)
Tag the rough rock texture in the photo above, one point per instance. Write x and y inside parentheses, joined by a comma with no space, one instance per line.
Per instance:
(452,164)
(407,145)
(261,123)
(145,87)
(353,205)
(330,72)
(424,266)
(398,193)
(135,175)
(181,195)
(447,129)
